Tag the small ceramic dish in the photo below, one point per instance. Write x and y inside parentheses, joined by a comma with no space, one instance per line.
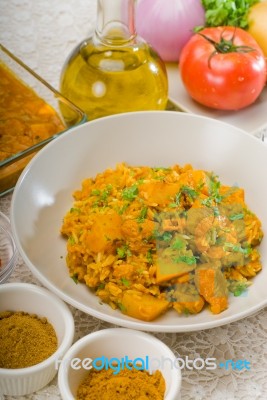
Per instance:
(35,300)
(8,251)
(118,343)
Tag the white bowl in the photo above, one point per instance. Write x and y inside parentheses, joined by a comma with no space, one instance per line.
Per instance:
(43,195)
(118,343)
(33,299)
(8,251)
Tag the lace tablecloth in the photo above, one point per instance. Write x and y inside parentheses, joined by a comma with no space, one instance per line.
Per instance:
(42,33)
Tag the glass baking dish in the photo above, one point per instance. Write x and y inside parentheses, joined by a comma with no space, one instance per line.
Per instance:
(22,129)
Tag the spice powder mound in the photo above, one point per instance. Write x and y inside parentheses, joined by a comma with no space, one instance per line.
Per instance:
(26,339)
(130,384)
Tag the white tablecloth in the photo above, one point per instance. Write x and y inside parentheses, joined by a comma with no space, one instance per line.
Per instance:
(42,33)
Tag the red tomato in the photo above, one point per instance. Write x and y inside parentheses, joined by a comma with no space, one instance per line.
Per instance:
(229,78)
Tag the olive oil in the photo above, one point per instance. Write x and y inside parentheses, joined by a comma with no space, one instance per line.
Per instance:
(114,71)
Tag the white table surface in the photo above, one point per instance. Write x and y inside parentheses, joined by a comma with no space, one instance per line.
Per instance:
(42,33)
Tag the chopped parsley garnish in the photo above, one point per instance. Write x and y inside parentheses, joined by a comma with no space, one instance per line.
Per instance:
(237,248)
(122,209)
(72,240)
(95,192)
(121,307)
(74,209)
(149,256)
(74,277)
(165,236)
(187,190)
(178,244)
(190,260)
(123,251)
(237,288)
(125,281)
(101,286)
(106,192)
(161,169)
(176,201)
(142,215)
(130,193)
(214,188)
(235,217)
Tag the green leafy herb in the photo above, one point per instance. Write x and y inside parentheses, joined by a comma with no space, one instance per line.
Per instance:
(237,248)
(130,193)
(227,12)
(122,209)
(95,192)
(74,277)
(189,192)
(101,286)
(123,251)
(190,260)
(161,169)
(165,236)
(235,217)
(177,199)
(121,307)
(71,240)
(125,281)
(160,177)
(142,215)
(178,244)
(74,209)
(186,311)
(149,256)
(237,288)
(214,188)
(106,192)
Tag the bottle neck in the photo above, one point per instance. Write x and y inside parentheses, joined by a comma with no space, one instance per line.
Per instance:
(115,21)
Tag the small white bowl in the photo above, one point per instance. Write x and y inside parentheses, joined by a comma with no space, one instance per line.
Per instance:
(34,299)
(118,343)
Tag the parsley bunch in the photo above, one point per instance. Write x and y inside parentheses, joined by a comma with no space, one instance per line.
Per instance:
(227,12)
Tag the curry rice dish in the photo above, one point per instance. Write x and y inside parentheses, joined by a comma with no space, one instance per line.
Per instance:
(149,239)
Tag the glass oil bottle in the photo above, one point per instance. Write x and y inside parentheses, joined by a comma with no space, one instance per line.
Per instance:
(115,70)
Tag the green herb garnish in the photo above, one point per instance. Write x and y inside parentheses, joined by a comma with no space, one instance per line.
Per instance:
(178,244)
(165,236)
(125,281)
(142,215)
(227,12)
(74,277)
(237,248)
(130,193)
(149,256)
(123,251)
(235,217)
(74,209)
(190,260)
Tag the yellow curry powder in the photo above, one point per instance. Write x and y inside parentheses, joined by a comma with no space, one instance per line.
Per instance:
(128,384)
(25,339)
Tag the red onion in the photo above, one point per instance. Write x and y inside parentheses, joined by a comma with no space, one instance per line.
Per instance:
(168,24)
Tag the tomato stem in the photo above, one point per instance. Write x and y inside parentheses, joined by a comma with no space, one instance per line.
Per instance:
(225,46)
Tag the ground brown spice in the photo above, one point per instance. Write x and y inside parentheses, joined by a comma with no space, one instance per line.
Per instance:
(127,385)
(25,339)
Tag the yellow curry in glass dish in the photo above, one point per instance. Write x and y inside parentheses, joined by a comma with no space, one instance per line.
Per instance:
(29,116)
(149,239)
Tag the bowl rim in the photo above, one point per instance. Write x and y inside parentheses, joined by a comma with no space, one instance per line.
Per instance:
(7,270)
(68,331)
(103,334)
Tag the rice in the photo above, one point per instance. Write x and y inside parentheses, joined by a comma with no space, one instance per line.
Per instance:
(149,239)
